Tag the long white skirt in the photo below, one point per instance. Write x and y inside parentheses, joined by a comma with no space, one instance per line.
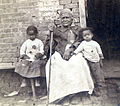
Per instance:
(68,77)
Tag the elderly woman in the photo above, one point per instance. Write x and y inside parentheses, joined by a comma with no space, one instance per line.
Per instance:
(69,74)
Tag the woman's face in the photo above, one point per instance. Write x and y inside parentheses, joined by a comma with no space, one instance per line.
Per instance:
(66,19)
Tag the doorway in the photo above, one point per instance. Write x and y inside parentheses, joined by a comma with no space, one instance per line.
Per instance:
(104,17)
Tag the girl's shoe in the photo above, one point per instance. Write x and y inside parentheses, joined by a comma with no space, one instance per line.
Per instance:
(24,84)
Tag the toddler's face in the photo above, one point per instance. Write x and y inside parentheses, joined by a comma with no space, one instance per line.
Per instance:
(87,35)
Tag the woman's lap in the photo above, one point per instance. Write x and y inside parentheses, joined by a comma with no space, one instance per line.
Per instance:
(68,77)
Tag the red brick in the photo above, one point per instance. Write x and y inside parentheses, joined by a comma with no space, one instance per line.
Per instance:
(7,30)
(8,40)
(6,1)
(75,1)
(77,20)
(4,35)
(9,20)
(0,59)
(16,16)
(1,40)
(14,1)
(1,25)
(11,15)
(75,10)
(33,3)
(8,5)
(5,45)
(8,10)
(22,4)
(15,30)
(1,6)
(14,44)
(71,5)
(8,60)
(1,11)
(64,1)
(1,30)
(7,55)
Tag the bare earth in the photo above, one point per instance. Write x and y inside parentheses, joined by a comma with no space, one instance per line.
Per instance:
(10,81)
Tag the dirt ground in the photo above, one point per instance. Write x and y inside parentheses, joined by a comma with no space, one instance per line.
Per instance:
(110,97)
(10,81)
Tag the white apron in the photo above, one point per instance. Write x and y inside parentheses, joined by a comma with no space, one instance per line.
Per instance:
(68,77)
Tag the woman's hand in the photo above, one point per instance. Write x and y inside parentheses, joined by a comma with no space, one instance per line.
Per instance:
(51,27)
(67,54)
(73,53)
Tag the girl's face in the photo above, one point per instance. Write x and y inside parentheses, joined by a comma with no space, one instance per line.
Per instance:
(32,37)
(87,35)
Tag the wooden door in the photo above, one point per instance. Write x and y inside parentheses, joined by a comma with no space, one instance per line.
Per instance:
(104,17)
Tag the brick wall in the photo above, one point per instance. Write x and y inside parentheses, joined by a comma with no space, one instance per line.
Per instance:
(73,6)
(16,15)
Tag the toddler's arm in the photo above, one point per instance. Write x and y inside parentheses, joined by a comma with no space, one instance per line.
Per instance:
(99,50)
(79,49)
(101,58)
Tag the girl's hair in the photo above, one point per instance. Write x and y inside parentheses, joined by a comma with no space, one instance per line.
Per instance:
(32,30)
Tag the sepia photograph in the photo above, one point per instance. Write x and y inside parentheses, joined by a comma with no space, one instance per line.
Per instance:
(59,52)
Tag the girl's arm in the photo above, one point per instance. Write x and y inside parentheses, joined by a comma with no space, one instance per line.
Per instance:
(23,51)
(40,51)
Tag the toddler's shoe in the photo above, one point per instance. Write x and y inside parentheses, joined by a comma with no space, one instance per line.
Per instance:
(97,94)
(37,84)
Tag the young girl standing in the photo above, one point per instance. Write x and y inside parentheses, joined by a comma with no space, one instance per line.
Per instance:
(31,57)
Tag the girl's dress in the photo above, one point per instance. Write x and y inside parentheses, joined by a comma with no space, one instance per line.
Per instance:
(31,68)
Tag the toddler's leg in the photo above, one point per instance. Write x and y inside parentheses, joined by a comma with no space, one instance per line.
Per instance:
(100,81)
(37,82)
(98,76)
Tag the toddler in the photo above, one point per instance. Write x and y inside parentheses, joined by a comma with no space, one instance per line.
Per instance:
(93,54)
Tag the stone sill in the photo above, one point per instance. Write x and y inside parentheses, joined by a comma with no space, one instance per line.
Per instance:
(7,66)
(108,74)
